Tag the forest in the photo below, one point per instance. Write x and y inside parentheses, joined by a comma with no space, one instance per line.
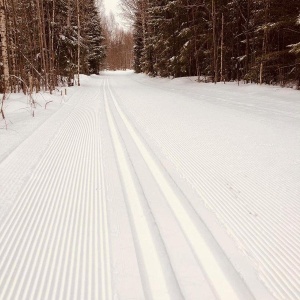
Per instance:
(217,40)
(46,43)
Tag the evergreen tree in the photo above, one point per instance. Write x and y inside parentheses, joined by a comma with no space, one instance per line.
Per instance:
(138,39)
(92,38)
(250,40)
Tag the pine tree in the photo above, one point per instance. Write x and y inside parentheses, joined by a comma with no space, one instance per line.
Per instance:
(250,40)
(94,39)
(138,37)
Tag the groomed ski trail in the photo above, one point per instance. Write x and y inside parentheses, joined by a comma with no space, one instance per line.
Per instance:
(223,279)
(113,207)
(54,243)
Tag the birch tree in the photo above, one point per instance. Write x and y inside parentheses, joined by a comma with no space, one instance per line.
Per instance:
(45,43)
(4,48)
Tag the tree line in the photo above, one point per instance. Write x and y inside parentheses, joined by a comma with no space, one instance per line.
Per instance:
(119,45)
(217,40)
(45,43)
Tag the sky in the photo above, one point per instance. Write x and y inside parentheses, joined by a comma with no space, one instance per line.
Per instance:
(112,5)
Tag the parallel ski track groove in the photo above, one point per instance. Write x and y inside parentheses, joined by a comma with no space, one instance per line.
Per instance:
(153,276)
(283,277)
(275,265)
(223,287)
(60,217)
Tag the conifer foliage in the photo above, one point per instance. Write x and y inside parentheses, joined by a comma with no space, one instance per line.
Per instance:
(45,43)
(217,40)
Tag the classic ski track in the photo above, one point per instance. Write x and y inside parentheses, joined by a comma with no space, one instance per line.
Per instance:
(40,252)
(230,207)
(221,276)
(155,283)
(278,261)
(54,244)
(274,265)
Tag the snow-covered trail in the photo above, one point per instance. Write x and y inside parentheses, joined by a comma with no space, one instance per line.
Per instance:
(151,189)
(238,149)
(54,242)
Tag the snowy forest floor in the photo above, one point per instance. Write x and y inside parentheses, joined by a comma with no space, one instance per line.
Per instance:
(132,187)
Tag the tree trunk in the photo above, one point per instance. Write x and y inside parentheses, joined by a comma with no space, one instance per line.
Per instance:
(41,39)
(265,41)
(78,41)
(4,45)
(264,52)
(45,46)
(247,51)
(222,50)
(69,13)
(215,42)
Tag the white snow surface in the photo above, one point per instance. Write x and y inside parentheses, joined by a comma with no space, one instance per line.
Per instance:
(132,187)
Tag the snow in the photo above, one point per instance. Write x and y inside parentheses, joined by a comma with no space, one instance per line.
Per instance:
(132,187)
